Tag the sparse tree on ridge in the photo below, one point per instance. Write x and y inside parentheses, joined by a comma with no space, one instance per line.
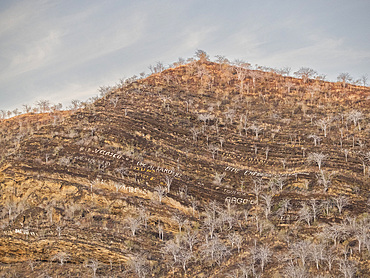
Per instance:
(305,74)
(344,78)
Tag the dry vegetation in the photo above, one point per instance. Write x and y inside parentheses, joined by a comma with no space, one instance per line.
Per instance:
(200,170)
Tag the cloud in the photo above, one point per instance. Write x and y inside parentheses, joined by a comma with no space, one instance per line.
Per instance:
(37,54)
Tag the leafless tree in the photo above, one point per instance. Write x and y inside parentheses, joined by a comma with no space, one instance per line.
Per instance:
(159,67)
(301,249)
(180,220)
(133,223)
(316,139)
(267,152)
(211,223)
(160,192)
(188,102)
(26,108)
(333,232)
(296,271)
(340,201)
(122,171)
(213,148)
(355,116)
(191,238)
(256,129)
(324,124)
(235,239)
(268,204)
(305,74)
(215,250)
(184,257)
(44,105)
(348,268)
(168,181)
(31,263)
(344,78)
(317,253)
(230,114)
(305,214)
(264,255)
(62,257)
(289,86)
(94,264)
(364,79)
(325,178)
(318,158)
(139,265)
(315,208)
(330,257)
(195,131)
(222,141)
(258,187)
(284,162)
(254,75)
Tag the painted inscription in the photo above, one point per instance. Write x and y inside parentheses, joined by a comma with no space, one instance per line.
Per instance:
(260,174)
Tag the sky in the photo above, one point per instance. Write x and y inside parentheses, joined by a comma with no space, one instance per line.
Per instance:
(60,50)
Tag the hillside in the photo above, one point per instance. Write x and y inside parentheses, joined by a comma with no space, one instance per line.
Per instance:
(200,170)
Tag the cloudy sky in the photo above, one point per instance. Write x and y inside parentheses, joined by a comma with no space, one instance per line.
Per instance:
(61,50)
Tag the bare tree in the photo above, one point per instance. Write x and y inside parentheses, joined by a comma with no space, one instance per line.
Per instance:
(316,139)
(133,223)
(364,79)
(264,255)
(180,220)
(44,105)
(213,148)
(318,158)
(340,202)
(348,268)
(122,171)
(195,131)
(305,74)
(355,116)
(324,125)
(325,178)
(301,249)
(305,214)
(268,204)
(344,78)
(315,208)
(168,181)
(296,271)
(62,257)
(329,256)
(258,186)
(160,192)
(267,152)
(159,67)
(256,129)
(317,253)
(215,250)
(94,264)
(139,265)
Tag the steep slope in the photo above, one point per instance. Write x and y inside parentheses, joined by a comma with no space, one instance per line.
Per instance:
(190,172)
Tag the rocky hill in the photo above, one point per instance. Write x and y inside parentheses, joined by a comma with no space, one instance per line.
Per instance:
(200,170)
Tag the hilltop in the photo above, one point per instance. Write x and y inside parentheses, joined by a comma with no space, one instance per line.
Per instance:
(201,170)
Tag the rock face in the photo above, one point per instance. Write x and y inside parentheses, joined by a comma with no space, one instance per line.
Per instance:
(195,171)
